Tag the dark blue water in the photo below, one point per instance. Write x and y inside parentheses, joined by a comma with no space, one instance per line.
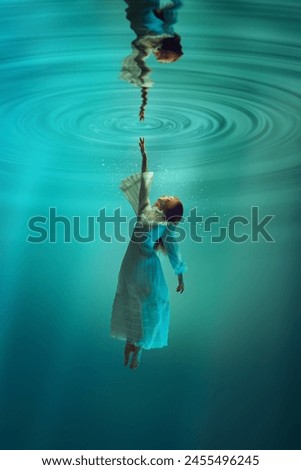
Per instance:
(222,129)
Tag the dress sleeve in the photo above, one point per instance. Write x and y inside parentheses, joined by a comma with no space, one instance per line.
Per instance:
(136,188)
(134,69)
(171,245)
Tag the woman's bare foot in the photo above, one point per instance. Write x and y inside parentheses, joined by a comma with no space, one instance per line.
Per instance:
(129,348)
(136,357)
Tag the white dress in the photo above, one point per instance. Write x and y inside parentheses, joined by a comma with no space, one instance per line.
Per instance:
(141,312)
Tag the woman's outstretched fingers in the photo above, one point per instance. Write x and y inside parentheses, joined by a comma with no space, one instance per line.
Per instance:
(141,143)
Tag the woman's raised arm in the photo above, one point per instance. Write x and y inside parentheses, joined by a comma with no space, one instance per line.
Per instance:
(146,178)
(144,156)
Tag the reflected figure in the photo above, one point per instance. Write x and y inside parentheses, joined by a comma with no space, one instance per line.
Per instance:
(140,314)
(153,26)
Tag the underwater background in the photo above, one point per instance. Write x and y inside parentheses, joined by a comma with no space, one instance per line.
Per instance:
(222,131)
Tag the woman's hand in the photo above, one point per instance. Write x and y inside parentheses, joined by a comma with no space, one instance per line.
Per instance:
(141,145)
(180,287)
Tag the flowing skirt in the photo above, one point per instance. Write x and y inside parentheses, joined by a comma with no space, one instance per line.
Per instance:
(141,310)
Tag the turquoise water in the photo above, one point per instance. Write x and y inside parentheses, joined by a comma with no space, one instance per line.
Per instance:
(222,129)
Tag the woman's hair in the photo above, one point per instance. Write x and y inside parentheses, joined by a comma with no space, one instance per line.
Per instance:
(170,49)
(173,212)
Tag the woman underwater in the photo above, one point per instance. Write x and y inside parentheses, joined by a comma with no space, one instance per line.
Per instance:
(140,314)
(153,26)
